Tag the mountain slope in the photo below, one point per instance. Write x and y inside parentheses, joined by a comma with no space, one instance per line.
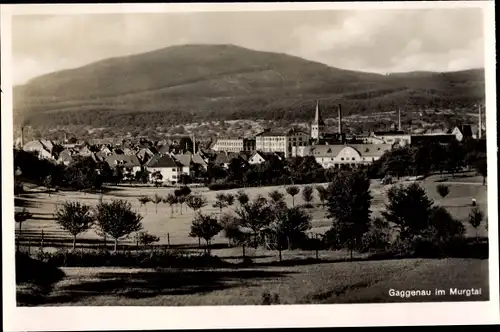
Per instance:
(189,82)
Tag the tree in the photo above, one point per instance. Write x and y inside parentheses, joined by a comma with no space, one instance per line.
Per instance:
(242,197)
(144,200)
(276,196)
(293,191)
(145,239)
(181,200)
(142,176)
(205,227)
(157,199)
(482,168)
(255,215)
(232,230)
(229,199)
(220,201)
(409,209)
(444,226)
(171,199)
(196,202)
(307,195)
(475,218)
(349,202)
(157,177)
(290,225)
(443,190)
(117,219)
(75,218)
(20,217)
(48,183)
(322,193)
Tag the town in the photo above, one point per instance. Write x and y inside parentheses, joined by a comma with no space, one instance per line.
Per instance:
(182,159)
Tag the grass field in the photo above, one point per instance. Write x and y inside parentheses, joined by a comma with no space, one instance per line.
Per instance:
(319,283)
(331,280)
(160,223)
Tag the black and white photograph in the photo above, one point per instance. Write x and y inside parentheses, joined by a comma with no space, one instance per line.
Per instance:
(249,156)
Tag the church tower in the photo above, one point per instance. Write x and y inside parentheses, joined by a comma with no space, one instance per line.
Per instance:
(318,125)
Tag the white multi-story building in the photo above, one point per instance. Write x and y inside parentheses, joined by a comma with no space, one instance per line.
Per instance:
(234,145)
(269,141)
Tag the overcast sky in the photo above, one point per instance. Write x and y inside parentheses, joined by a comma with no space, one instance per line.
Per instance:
(376,40)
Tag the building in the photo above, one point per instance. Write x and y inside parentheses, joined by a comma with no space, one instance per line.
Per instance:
(42,148)
(229,144)
(185,160)
(259,157)
(351,155)
(318,125)
(249,144)
(436,138)
(169,169)
(270,141)
(129,163)
(465,132)
(393,137)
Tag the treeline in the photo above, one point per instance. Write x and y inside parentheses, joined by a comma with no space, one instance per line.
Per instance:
(274,171)
(81,174)
(432,157)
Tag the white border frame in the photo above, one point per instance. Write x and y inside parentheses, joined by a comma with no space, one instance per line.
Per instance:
(130,318)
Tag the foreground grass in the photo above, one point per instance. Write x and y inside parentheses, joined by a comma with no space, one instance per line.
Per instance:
(319,282)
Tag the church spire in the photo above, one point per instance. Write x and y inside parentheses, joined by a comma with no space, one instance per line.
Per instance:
(318,120)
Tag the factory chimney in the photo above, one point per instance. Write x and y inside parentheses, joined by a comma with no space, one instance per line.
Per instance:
(194,144)
(480,123)
(22,137)
(340,119)
(399,119)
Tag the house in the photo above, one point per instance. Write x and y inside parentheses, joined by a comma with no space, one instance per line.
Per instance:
(199,159)
(42,148)
(164,149)
(85,151)
(184,160)
(65,157)
(129,163)
(169,169)
(259,157)
(393,137)
(465,132)
(144,154)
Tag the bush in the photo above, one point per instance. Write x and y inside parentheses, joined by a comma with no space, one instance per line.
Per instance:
(268,299)
(142,259)
(224,186)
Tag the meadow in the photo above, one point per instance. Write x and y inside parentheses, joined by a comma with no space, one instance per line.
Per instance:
(296,280)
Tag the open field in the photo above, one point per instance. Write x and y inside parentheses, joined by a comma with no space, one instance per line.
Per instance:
(296,281)
(176,229)
(318,283)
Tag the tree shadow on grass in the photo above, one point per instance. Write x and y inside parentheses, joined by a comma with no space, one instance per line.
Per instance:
(157,283)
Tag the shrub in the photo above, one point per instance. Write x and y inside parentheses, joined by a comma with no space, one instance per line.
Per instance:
(223,186)
(268,298)
(137,259)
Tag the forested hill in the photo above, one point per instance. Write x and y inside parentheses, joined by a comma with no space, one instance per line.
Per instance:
(197,82)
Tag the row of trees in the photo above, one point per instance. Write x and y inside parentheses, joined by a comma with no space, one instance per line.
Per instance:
(432,157)
(409,216)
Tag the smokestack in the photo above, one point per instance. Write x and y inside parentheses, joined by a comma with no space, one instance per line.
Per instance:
(340,119)
(399,119)
(480,123)
(22,137)
(194,144)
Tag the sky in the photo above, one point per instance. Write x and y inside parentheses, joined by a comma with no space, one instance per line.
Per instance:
(380,41)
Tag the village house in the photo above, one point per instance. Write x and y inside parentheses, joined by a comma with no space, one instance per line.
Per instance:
(129,163)
(42,148)
(259,157)
(167,166)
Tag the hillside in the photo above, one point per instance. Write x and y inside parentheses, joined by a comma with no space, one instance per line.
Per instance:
(197,82)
